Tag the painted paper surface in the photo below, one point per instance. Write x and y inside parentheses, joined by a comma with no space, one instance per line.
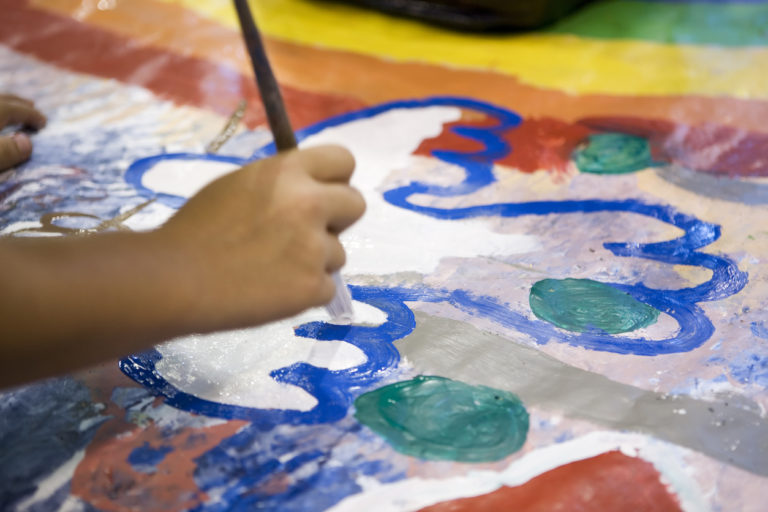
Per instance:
(576,243)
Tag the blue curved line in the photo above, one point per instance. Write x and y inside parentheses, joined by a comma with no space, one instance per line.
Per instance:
(694,325)
(135,172)
(335,390)
(332,389)
(507,119)
(726,280)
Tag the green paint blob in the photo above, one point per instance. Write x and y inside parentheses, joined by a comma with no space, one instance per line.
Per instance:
(613,153)
(439,418)
(710,23)
(583,305)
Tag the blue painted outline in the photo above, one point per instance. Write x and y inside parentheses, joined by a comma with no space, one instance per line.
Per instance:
(137,169)
(335,390)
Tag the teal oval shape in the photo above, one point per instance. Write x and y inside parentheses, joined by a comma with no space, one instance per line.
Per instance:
(614,153)
(442,419)
(584,305)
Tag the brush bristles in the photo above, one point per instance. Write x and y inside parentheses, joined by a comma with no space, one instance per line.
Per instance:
(340,308)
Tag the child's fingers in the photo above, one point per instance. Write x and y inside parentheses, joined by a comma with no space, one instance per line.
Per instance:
(345,205)
(14,150)
(12,112)
(336,254)
(18,99)
(327,163)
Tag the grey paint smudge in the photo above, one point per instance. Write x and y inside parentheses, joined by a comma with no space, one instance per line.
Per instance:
(41,427)
(718,187)
(730,429)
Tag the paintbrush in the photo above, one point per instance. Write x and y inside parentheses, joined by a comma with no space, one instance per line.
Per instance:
(340,308)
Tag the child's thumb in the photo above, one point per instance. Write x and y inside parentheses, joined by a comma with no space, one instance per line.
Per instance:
(14,149)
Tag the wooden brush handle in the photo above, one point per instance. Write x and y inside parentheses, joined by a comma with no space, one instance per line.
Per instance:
(265,80)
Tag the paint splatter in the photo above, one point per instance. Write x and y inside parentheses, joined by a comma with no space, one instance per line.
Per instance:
(613,153)
(114,476)
(291,470)
(145,458)
(716,186)
(750,368)
(584,305)
(41,428)
(439,418)
(759,329)
(611,481)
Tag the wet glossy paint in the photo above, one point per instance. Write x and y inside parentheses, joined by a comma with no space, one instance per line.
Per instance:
(609,482)
(581,305)
(438,418)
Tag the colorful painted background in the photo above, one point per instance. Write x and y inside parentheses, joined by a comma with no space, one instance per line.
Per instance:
(560,281)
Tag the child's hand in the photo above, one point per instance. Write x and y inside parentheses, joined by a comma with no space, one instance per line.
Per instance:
(261,243)
(16,148)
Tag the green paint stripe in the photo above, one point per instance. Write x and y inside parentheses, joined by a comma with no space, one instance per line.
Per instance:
(733,24)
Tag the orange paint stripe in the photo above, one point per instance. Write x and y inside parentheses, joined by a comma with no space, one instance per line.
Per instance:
(106,479)
(184,79)
(370,80)
(159,24)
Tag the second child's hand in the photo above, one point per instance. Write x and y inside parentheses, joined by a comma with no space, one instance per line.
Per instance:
(17,147)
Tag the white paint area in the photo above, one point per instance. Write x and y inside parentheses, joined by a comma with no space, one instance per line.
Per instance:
(146,219)
(152,216)
(184,177)
(390,239)
(387,239)
(53,482)
(665,327)
(233,367)
(22,226)
(416,493)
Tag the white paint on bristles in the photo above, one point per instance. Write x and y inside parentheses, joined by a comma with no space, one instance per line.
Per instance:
(233,367)
(416,493)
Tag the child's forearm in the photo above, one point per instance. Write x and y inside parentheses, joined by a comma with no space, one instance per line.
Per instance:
(254,246)
(67,303)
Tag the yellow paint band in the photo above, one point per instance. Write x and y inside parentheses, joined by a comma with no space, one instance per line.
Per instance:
(337,72)
(562,62)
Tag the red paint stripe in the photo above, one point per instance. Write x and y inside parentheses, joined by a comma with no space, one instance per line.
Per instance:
(611,482)
(185,80)
(712,148)
(547,144)
(537,144)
